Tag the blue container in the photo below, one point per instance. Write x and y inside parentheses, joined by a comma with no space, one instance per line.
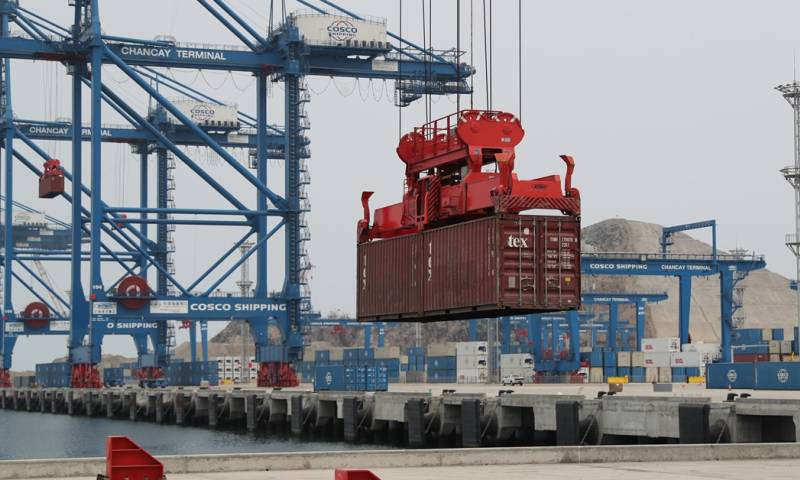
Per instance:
(733,375)
(609,359)
(392,366)
(54,374)
(746,336)
(679,375)
(352,356)
(609,371)
(596,358)
(366,354)
(415,351)
(271,353)
(692,372)
(322,356)
(777,334)
(777,376)
(795,343)
(752,349)
(624,371)
(329,377)
(637,372)
(440,363)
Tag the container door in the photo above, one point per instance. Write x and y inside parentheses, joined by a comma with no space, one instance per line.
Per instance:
(559,272)
(518,243)
(387,278)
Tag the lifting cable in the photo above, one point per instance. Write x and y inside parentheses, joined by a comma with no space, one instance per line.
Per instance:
(491,55)
(471,54)
(270,19)
(519,28)
(427,44)
(430,60)
(399,82)
(425,48)
(486,58)
(458,55)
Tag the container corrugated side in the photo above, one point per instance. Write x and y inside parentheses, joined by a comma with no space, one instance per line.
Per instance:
(499,265)
(388,278)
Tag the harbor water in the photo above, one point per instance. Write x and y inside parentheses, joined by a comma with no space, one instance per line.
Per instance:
(27,435)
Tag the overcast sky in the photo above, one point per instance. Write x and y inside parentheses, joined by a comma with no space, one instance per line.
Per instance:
(667,106)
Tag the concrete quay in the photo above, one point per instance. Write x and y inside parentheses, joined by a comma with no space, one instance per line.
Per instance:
(530,416)
(728,461)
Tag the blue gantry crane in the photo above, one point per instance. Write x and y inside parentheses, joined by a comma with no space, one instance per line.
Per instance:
(119,235)
(379,327)
(731,269)
(613,301)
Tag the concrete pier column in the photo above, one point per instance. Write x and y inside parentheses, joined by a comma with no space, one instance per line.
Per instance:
(42,401)
(54,402)
(326,415)
(212,410)
(87,403)
(28,400)
(108,401)
(278,411)
(568,423)
(179,408)
(133,408)
(471,423)
(415,422)
(297,414)
(693,423)
(250,411)
(237,411)
(350,418)
(70,402)
(159,407)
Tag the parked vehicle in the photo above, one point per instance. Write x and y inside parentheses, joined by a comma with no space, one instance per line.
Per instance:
(512,379)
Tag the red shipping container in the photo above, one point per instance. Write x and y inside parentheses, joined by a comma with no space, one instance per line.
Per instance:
(499,265)
(51,186)
(750,357)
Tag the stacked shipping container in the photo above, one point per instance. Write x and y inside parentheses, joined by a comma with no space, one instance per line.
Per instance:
(472,362)
(53,375)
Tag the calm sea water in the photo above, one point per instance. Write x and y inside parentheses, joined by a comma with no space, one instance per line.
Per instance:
(30,435)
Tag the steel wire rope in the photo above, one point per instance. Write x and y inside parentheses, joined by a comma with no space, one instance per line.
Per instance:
(271,11)
(246,88)
(425,52)
(458,55)
(320,92)
(519,28)
(379,95)
(429,82)
(224,81)
(471,53)
(172,76)
(491,54)
(398,86)
(486,58)
(361,95)
(336,85)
